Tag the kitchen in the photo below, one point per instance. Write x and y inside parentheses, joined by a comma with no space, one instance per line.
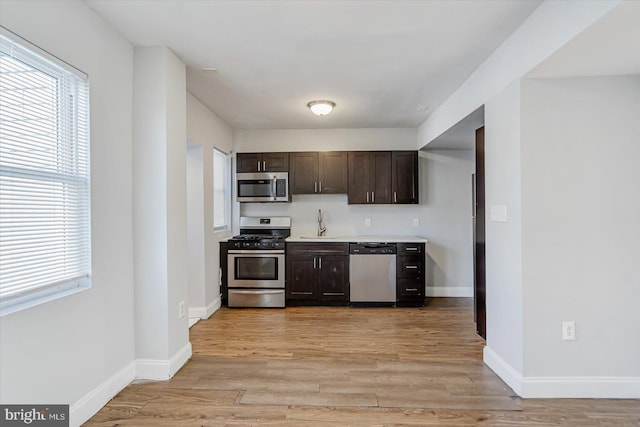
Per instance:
(132,326)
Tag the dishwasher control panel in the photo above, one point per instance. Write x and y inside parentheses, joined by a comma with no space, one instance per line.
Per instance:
(373,248)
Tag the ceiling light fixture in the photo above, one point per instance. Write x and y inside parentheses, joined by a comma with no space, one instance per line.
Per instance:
(321,108)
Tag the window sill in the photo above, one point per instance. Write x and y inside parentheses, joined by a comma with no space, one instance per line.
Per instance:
(35,300)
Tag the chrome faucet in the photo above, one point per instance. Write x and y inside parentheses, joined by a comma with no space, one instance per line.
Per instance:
(322,229)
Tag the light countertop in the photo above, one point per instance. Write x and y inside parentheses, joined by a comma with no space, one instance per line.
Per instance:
(353,239)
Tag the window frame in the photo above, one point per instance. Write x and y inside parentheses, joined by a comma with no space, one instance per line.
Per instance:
(71,104)
(226,188)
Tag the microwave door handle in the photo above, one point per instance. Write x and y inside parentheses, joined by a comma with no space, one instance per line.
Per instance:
(275,187)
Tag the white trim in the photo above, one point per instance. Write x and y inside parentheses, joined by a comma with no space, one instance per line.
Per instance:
(158,369)
(450,291)
(562,387)
(93,401)
(205,312)
(581,387)
(509,375)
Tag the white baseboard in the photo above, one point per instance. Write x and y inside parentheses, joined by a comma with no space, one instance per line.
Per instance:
(205,312)
(581,387)
(450,291)
(509,375)
(155,369)
(93,401)
(562,387)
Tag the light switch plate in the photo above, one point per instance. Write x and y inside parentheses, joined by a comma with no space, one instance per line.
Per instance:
(499,213)
(367,222)
(416,222)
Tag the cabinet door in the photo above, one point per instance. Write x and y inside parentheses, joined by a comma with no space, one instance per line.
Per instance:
(248,162)
(223,272)
(333,278)
(405,177)
(332,172)
(358,177)
(301,277)
(275,162)
(380,177)
(303,173)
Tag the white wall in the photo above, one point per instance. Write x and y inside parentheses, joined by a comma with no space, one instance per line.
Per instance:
(443,212)
(159,212)
(581,235)
(206,129)
(61,351)
(504,349)
(195,226)
(446,208)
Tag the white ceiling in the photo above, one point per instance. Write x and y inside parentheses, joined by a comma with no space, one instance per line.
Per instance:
(379,61)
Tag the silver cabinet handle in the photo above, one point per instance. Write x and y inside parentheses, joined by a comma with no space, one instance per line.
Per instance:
(367,197)
(333,293)
(314,263)
(395,197)
(264,166)
(411,267)
(320,187)
(410,249)
(411,289)
(301,293)
(320,263)
(373,197)
(258,166)
(315,187)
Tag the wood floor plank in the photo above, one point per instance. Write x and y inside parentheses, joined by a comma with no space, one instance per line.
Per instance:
(256,397)
(255,384)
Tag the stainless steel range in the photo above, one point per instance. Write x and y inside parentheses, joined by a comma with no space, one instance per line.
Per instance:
(256,262)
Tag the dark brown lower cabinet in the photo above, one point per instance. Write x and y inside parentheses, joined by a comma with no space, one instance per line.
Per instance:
(410,275)
(317,274)
(223,270)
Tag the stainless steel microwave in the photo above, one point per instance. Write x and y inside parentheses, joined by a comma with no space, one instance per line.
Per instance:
(262,187)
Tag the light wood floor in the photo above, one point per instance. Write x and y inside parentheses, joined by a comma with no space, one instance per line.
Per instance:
(321,366)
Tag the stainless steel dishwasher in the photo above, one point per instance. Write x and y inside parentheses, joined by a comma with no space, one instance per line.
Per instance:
(372,273)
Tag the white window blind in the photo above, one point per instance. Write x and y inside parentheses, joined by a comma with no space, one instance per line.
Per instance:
(221,191)
(45,234)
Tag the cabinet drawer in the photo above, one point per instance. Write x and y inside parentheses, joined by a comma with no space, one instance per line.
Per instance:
(318,248)
(409,267)
(407,288)
(410,248)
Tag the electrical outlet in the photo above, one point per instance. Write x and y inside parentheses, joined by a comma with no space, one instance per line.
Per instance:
(182,309)
(416,222)
(367,222)
(569,331)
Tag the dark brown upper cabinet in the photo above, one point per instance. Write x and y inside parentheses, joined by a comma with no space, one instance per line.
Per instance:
(369,177)
(318,172)
(383,177)
(262,162)
(404,177)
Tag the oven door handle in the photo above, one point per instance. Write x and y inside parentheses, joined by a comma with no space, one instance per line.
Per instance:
(256,252)
(261,292)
